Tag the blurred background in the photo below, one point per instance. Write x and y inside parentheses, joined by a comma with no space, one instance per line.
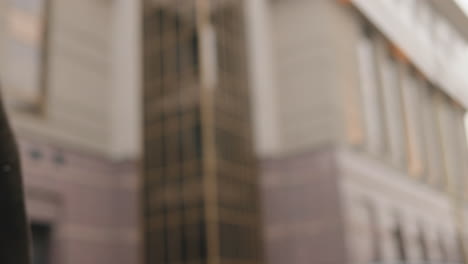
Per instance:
(241,131)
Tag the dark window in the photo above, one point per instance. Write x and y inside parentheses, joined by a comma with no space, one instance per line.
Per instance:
(41,235)
(423,247)
(178,37)
(59,158)
(400,244)
(196,137)
(442,251)
(202,241)
(194,50)
(35,154)
(374,225)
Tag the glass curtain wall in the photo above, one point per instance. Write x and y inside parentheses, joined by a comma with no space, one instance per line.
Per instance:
(200,185)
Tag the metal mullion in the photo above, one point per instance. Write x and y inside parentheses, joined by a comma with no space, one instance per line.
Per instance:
(187,56)
(168,54)
(241,53)
(166,144)
(188,141)
(183,186)
(174,222)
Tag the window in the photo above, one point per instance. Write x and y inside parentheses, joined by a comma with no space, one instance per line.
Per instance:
(432,136)
(41,243)
(459,128)
(447,123)
(443,254)
(424,251)
(393,109)
(452,130)
(399,241)
(465,152)
(460,250)
(412,105)
(375,234)
(463,148)
(370,90)
(25,49)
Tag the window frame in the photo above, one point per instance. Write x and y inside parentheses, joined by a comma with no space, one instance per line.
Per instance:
(35,103)
(370,90)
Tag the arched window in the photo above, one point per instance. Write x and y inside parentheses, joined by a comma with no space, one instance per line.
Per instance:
(461,250)
(443,255)
(375,234)
(423,249)
(400,244)
(393,106)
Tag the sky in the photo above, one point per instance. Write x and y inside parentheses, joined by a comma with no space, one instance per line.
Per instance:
(463,4)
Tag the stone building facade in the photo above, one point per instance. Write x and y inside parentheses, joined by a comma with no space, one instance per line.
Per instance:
(69,70)
(359,113)
(358,110)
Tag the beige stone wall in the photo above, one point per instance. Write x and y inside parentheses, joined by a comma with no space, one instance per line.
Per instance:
(317,95)
(261,72)
(77,74)
(79,155)
(125,107)
(92,86)
(305,70)
(79,70)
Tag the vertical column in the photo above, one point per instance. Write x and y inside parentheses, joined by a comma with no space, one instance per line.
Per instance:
(125,81)
(206,37)
(265,105)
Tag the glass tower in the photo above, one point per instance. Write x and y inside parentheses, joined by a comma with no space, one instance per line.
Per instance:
(201,201)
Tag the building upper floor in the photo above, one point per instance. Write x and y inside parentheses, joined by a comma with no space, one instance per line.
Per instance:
(70,72)
(320,72)
(431,33)
(384,78)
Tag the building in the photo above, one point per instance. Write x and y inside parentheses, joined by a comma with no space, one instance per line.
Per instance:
(200,181)
(359,109)
(70,73)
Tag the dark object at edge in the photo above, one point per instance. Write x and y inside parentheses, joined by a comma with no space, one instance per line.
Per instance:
(14,231)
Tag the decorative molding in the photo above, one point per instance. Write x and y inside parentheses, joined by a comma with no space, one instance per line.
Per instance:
(435,48)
